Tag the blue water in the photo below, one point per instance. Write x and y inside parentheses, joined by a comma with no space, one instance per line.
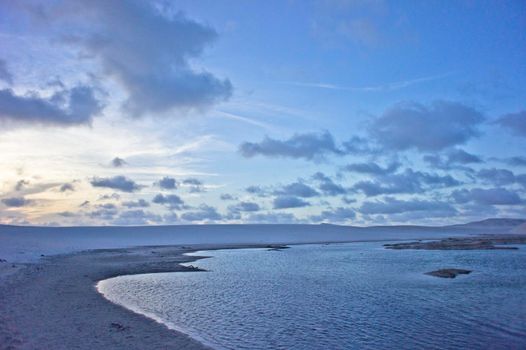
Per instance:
(338,296)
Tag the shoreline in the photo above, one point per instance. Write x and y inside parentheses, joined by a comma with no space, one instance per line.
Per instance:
(55,304)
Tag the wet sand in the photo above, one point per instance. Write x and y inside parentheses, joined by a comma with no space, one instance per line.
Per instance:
(54,304)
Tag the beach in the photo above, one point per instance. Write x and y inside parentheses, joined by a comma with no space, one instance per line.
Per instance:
(50,300)
(53,304)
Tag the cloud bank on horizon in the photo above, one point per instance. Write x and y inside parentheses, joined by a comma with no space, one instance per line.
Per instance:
(339,111)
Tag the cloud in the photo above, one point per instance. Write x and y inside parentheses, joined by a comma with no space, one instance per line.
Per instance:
(195,185)
(120,183)
(371,88)
(5,74)
(358,145)
(20,184)
(104,212)
(16,202)
(491,196)
(515,161)
(227,197)
(136,217)
(455,159)
(409,181)
(67,187)
(147,49)
(244,207)
(118,162)
(497,176)
(258,190)
(204,213)
(271,218)
(309,146)
(337,215)
(65,108)
(372,168)
(392,205)
(141,203)
(327,186)
(284,202)
(426,128)
(105,197)
(297,189)
(172,201)
(192,181)
(459,156)
(501,177)
(167,183)
(514,122)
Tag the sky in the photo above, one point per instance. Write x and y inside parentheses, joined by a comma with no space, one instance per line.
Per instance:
(356,112)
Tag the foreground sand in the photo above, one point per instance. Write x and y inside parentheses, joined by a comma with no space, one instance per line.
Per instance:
(54,304)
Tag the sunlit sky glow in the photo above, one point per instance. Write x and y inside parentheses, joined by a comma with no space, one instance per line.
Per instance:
(354,112)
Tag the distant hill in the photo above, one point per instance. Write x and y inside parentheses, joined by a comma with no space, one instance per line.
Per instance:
(494,223)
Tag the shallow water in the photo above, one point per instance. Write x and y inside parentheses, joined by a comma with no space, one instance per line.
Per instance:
(338,296)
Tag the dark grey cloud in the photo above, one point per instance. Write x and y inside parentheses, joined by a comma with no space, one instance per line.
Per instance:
(358,146)
(16,202)
(392,205)
(284,202)
(67,187)
(372,168)
(257,190)
(118,162)
(136,217)
(204,213)
(496,176)
(347,200)
(409,181)
(454,159)
(145,48)
(515,161)
(141,203)
(297,189)
(194,185)
(500,177)
(172,201)
(491,196)
(104,212)
(192,181)
(20,184)
(244,207)
(426,128)
(310,146)
(336,215)
(459,156)
(5,74)
(514,122)
(168,183)
(327,186)
(68,107)
(120,183)
(227,197)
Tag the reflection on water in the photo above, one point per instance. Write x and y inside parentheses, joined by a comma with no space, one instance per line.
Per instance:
(339,296)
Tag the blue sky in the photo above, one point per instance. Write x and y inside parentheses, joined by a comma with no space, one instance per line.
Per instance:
(351,112)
